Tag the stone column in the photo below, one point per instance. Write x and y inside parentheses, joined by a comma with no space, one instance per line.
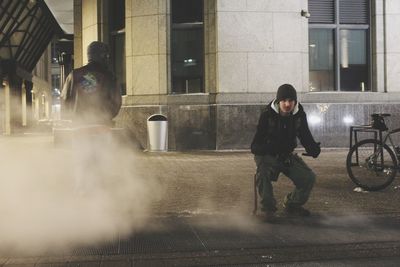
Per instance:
(23,104)
(103,14)
(210,46)
(391,45)
(47,106)
(78,51)
(147,51)
(36,103)
(90,25)
(377,31)
(7,107)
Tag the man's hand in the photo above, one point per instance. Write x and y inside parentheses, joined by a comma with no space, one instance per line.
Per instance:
(314,152)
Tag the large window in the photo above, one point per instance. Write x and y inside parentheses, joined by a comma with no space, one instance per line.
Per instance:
(187,46)
(339,44)
(117,42)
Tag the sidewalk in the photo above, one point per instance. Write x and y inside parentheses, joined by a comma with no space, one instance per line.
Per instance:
(204,218)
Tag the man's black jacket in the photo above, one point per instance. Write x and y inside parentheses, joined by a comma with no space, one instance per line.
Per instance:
(276,134)
(90,95)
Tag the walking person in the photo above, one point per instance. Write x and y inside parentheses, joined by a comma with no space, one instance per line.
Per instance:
(91,99)
(279,126)
(90,94)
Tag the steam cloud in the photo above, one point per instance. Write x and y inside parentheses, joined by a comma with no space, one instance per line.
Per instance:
(56,198)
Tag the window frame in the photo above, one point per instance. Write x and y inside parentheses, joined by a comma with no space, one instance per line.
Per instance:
(117,26)
(183,26)
(336,27)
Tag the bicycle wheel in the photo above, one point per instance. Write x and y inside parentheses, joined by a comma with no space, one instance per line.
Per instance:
(371,165)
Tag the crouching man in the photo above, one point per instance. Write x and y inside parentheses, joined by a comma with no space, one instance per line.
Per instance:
(279,125)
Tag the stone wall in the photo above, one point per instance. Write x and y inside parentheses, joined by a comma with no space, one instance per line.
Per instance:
(261,44)
(225,127)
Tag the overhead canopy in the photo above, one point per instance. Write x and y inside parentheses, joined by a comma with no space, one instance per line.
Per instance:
(63,12)
(26,29)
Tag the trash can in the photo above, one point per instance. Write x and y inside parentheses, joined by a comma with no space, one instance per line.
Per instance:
(157,133)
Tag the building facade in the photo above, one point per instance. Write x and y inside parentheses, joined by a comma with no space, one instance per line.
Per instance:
(26,30)
(211,66)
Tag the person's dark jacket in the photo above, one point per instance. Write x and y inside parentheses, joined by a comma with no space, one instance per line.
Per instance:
(90,95)
(276,134)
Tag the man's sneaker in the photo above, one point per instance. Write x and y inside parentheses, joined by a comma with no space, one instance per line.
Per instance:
(269,214)
(296,211)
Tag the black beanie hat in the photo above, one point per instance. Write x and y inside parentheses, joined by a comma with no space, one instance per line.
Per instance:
(286,91)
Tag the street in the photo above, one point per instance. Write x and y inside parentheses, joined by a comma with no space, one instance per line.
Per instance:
(184,209)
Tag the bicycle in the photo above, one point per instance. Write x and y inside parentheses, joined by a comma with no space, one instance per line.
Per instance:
(372,164)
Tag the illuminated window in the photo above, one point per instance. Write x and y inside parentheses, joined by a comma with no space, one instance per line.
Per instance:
(187,46)
(339,35)
(117,42)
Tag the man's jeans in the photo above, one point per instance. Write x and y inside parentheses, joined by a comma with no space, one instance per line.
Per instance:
(268,169)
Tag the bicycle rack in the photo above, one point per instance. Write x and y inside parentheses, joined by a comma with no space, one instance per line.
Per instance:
(355,129)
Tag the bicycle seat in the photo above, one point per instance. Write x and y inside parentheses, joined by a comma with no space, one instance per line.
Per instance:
(380,115)
(378,121)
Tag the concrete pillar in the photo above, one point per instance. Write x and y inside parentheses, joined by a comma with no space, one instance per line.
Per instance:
(210,47)
(35,100)
(78,50)
(147,51)
(90,25)
(391,49)
(42,106)
(23,105)
(7,111)
(46,107)
(103,15)
(94,24)
(378,36)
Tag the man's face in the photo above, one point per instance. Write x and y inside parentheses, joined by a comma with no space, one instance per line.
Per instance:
(286,106)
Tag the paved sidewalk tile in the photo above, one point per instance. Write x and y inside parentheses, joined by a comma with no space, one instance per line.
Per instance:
(204,211)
